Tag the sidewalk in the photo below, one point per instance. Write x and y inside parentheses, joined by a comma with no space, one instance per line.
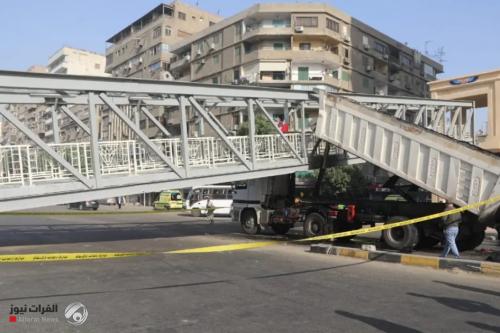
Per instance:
(102,209)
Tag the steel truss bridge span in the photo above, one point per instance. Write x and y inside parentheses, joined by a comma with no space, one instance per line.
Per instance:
(45,173)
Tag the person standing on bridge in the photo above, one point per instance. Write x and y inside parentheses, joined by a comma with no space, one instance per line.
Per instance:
(450,224)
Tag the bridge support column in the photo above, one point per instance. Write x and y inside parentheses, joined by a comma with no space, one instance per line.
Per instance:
(55,123)
(184,134)
(251,132)
(94,140)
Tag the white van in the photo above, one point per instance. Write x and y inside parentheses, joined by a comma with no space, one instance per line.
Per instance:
(222,197)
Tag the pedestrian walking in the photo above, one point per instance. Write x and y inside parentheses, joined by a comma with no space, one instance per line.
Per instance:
(210,210)
(119,202)
(450,226)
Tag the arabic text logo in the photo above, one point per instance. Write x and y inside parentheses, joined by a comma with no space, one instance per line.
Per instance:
(76,313)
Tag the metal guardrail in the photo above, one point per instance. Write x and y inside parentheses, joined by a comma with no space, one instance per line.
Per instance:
(26,165)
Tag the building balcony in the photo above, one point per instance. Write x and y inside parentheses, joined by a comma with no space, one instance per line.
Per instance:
(180,64)
(266,31)
(296,56)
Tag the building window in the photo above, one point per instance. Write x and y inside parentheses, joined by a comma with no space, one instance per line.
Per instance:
(429,70)
(157,32)
(346,53)
(346,76)
(97,66)
(332,25)
(365,61)
(237,31)
(303,73)
(211,23)
(181,16)
(278,23)
(278,46)
(304,46)
(215,59)
(366,83)
(237,53)
(236,74)
(215,80)
(168,31)
(306,21)
(404,60)
(380,48)
(216,38)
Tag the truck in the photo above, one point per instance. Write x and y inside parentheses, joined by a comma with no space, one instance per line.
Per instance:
(275,203)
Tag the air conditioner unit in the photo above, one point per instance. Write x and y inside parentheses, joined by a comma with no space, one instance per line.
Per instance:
(369,68)
(347,38)
(347,61)
(392,78)
(212,46)
(386,56)
(187,57)
(140,60)
(203,61)
(299,28)
(130,65)
(198,52)
(366,46)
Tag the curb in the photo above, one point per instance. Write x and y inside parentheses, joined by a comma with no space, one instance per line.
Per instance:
(475,266)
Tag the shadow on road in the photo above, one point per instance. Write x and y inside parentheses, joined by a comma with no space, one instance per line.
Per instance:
(380,324)
(468,288)
(484,327)
(462,304)
(75,233)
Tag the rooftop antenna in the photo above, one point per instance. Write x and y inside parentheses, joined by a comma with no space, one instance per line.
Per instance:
(426,43)
(439,54)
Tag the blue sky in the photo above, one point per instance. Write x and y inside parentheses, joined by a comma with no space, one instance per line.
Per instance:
(467,30)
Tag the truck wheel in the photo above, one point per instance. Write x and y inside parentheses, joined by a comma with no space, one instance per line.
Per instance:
(249,223)
(280,229)
(469,237)
(401,237)
(313,225)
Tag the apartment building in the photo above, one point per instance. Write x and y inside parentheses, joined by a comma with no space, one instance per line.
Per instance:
(66,60)
(142,49)
(302,46)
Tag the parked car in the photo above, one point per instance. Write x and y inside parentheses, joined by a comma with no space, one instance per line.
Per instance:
(82,205)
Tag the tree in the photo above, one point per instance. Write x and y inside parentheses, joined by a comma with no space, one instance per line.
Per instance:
(262,126)
(347,180)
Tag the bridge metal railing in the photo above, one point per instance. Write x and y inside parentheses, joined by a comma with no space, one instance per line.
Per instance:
(26,164)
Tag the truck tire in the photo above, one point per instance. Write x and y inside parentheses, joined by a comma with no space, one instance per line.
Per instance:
(280,229)
(249,223)
(401,237)
(314,225)
(470,236)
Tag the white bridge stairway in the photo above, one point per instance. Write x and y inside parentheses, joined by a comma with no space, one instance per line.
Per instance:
(452,169)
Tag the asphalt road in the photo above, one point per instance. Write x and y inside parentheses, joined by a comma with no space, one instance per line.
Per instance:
(282,288)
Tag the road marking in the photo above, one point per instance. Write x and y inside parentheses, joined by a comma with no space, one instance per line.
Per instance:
(42,257)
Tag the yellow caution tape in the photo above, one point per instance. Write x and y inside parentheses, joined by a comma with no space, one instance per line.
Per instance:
(43,257)
(223,248)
